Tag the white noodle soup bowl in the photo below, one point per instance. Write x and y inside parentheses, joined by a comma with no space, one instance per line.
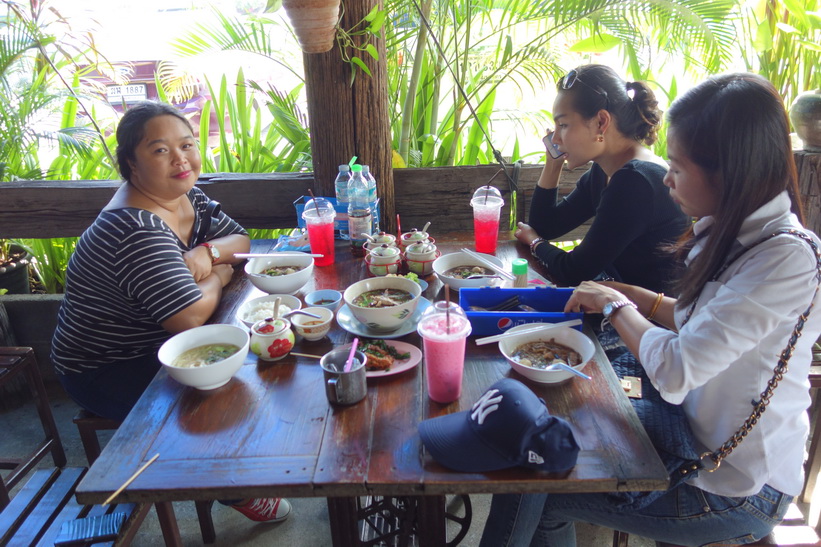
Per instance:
(563,335)
(209,376)
(386,319)
(452,260)
(280,284)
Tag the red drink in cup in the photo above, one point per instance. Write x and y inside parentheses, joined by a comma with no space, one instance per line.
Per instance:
(319,215)
(487,206)
(321,237)
(443,336)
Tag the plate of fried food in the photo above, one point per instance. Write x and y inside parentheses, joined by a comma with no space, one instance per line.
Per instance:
(388,357)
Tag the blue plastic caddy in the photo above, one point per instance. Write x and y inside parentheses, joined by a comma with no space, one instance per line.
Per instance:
(548,301)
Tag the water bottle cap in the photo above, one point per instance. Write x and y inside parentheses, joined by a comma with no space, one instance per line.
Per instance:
(344,167)
(519,266)
(356,168)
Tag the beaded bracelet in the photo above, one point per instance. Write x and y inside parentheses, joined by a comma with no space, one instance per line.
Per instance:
(535,243)
(655,308)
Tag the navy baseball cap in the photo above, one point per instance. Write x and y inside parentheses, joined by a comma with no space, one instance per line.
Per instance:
(508,426)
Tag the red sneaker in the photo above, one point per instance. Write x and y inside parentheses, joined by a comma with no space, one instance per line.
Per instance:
(265,509)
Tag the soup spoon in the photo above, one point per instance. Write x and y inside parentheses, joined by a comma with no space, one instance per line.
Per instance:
(558,365)
(302,312)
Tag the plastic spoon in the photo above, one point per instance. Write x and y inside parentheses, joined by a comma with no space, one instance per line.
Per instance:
(309,314)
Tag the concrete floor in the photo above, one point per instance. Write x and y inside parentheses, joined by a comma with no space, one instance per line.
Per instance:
(308,525)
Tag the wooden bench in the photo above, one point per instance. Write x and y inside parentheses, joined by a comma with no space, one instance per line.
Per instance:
(37,513)
(16,362)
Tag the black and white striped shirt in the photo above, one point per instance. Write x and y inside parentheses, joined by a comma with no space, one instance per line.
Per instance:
(127,276)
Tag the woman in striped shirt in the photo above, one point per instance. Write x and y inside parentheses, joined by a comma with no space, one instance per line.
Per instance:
(151,265)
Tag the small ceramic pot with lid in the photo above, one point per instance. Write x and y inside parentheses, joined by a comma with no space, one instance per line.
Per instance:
(272,339)
(420,257)
(383,260)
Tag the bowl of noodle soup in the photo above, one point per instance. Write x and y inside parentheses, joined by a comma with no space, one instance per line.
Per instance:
(205,357)
(529,353)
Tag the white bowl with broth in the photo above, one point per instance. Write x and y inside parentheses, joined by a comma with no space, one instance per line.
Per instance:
(283,283)
(444,265)
(209,375)
(386,318)
(529,368)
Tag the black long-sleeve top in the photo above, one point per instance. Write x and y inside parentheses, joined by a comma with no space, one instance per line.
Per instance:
(634,216)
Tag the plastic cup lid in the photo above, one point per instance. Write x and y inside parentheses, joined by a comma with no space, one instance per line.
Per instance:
(487,196)
(325,208)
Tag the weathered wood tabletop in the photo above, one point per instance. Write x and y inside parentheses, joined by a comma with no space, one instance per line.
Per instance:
(271,432)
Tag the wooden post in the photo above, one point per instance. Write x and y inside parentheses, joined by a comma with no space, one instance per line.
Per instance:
(809,184)
(351,120)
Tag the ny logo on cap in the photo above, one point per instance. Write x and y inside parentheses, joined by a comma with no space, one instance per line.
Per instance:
(486,406)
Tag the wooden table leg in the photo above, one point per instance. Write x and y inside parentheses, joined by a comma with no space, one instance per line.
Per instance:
(430,520)
(168,524)
(344,522)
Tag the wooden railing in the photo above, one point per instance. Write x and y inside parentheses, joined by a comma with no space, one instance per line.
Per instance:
(441,195)
(42,209)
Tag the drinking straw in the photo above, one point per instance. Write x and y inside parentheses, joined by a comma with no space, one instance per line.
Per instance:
(349,362)
(352,162)
(447,309)
(398,227)
(316,205)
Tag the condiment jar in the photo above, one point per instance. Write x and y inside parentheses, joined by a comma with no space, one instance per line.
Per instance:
(520,272)
(414,236)
(382,238)
(272,339)
(383,260)
(420,257)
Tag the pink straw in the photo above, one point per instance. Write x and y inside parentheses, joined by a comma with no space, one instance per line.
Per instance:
(349,362)
(447,309)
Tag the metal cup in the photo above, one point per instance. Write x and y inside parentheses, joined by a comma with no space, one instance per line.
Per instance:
(344,388)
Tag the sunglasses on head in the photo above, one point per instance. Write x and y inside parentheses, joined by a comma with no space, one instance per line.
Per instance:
(573,77)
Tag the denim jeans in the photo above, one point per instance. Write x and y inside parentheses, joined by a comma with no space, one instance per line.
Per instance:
(685,516)
(112,390)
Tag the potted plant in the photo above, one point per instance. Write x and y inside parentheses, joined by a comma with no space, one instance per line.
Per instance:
(14,260)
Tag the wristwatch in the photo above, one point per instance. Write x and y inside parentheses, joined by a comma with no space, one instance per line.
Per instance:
(212,251)
(611,307)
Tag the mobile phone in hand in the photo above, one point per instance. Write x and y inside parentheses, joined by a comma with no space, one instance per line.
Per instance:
(552,149)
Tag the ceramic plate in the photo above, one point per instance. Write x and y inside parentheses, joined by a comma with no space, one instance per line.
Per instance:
(351,324)
(398,366)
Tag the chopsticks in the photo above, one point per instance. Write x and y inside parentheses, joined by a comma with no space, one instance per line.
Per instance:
(541,328)
(498,269)
(306,355)
(131,479)
(266,255)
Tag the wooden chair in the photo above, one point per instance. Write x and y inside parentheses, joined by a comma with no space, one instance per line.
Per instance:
(88,424)
(20,362)
(37,513)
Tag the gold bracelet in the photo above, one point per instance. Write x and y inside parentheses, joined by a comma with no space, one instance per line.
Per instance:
(656,304)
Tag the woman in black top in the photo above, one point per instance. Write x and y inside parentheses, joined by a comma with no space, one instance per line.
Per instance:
(602,119)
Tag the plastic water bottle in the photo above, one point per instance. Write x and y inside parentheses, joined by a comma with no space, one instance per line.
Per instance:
(341,189)
(359,211)
(368,176)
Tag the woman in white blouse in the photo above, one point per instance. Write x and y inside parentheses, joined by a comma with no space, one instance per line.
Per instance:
(732,168)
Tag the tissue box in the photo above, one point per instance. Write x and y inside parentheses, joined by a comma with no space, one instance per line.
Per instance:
(548,301)
(341,220)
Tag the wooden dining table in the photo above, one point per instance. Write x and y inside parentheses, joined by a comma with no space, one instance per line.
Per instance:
(272,432)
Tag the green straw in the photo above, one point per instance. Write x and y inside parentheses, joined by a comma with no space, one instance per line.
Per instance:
(352,162)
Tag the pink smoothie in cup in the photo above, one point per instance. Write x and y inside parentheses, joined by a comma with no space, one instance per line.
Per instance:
(444,348)
(319,215)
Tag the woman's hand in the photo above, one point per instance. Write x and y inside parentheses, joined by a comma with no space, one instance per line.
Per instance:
(590,297)
(198,261)
(525,233)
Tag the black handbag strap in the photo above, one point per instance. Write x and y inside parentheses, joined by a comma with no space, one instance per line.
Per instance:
(212,211)
(760,405)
